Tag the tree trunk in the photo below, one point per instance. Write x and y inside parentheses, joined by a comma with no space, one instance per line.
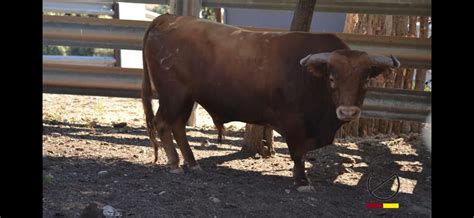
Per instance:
(192,117)
(303,15)
(258,137)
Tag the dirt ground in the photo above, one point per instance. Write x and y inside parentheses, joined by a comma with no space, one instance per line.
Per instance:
(86,160)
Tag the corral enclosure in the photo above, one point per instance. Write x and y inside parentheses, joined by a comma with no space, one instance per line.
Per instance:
(96,152)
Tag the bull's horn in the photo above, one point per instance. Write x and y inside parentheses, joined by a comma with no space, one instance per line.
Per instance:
(384,61)
(315,58)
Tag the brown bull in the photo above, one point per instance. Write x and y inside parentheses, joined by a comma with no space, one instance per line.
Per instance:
(304,85)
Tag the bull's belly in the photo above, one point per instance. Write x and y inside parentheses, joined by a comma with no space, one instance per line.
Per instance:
(227,111)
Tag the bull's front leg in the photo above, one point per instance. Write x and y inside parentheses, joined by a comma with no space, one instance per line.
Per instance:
(298,146)
(301,182)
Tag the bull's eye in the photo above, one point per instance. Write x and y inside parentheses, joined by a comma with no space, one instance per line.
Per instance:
(332,82)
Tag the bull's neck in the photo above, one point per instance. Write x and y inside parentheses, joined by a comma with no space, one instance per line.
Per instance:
(325,121)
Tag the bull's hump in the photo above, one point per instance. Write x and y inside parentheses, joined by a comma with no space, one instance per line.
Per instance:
(167,22)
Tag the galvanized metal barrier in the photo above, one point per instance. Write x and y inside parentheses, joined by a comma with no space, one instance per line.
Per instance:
(392,7)
(93,32)
(383,103)
(93,8)
(126,34)
(92,77)
(80,60)
(397,104)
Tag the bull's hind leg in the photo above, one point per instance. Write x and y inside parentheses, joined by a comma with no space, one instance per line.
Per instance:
(164,132)
(175,108)
(179,133)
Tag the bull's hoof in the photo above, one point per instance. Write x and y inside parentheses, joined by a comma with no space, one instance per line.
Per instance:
(305,189)
(178,170)
(196,168)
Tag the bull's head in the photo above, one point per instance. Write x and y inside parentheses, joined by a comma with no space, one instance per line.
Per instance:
(347,73)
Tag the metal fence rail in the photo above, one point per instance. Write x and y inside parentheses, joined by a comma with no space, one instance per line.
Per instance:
(104,80)
(397,104)
(126,34)
(92,8)
(92,76)
(392,7)
(126,82)
(80,60)
(93,32)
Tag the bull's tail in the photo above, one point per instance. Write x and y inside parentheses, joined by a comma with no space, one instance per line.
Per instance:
(147,97)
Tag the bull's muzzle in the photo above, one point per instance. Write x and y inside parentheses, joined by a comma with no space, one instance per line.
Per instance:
(348,113)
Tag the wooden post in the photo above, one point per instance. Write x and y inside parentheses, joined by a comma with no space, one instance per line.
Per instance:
(117,56)
(372,26)
(409,73)
(351,25)
(258,139)
(420,76)
(351,21)
(218,13)
(400,29)
(253,139)
(387,30)
(398,83)
(408,84)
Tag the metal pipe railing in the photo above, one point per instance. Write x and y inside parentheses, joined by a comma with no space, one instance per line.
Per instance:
(127,34)
(103,61)
(383,103)
(391,7)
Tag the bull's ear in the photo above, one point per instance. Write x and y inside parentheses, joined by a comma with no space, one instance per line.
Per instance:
(318,70)
(382,64)
(316,63)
